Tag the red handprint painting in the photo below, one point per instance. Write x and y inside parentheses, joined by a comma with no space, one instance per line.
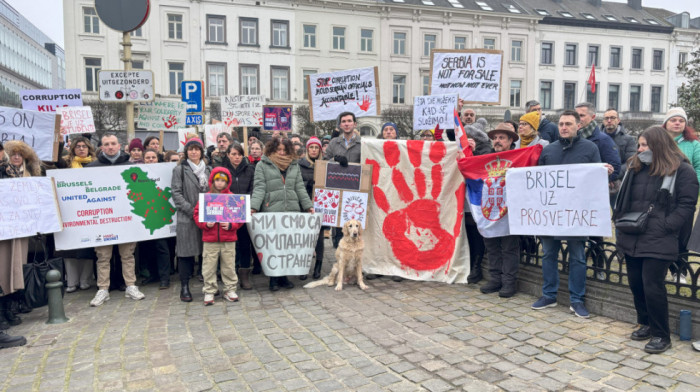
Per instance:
(414,223)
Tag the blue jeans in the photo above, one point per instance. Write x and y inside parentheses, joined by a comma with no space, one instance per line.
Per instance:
(577,268)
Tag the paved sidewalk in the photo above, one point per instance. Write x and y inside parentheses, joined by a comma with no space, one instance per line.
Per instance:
(406,336)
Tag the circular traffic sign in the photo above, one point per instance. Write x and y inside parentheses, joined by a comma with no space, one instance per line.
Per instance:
(123,15)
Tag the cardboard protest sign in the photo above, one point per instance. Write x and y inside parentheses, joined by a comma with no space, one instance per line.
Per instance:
(242,110)
(277,117)
(28,206)
(40,130)
(341,193)
(211,132)
(224,207)
(50,100)
(162,114)
(353,90)
(328,174)
(284,241)
(182,135)
(414,223)
(114,204)
(562,201)
(326,203)
(76,119)
(432,110)
(474,74)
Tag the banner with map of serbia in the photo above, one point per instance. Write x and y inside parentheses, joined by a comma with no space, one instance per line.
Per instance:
(112,205)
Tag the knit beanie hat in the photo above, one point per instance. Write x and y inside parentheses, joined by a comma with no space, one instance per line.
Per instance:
(675,112)
(532,118)
(220,175)
(388,124)
(313,140)
(194,141)
(136,143)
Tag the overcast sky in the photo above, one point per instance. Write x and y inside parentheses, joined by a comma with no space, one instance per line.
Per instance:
(48,14)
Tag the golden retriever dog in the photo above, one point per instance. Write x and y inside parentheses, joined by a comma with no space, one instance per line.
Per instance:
(348,256)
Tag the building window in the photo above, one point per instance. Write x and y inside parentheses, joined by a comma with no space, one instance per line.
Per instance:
(91,21)
(515,87)
(338,38)
(216,78)
(636,58)
(216,31)
(569,95)
(682,58)
(426,84)
(280,83)
(280,33)
(516,51)
(570,55)
(635,98)
(366,40)
(400,43)
(656,99)
(546,95)
(429,41)
(399,89)
(546,53)
(592,97)
(460,43)
(249,79)
(176,74)
(249,31)
(614,96)
(174,26)
(305,73)
(658,63)
(309,36)
(615,56)
(593,51)
(489,43)
(137,33)
(92,68)
(137,64)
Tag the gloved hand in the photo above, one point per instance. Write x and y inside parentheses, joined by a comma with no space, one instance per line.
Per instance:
(341,160)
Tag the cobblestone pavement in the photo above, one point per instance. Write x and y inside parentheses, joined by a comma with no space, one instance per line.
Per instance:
(405,336)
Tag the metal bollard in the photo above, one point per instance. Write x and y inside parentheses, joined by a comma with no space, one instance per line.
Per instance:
(53,288)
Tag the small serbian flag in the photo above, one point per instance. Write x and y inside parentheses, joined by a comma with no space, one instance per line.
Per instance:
(591,79)
(486,181)
(461,136)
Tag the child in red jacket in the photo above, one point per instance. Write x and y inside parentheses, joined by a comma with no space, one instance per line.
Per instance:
(219,239)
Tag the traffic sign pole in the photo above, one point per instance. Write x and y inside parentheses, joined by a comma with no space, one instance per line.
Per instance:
(130,131)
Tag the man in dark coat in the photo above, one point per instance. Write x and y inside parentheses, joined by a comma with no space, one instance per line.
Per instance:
(626,145)
(112,155)
(569,149)
(606,146)
(547,130)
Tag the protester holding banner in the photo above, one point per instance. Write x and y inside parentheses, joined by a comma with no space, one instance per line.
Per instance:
(306,163)
(135,151)
(661,182)
(527,131)
(171,156)
(153,143)
(279,187)
(190,178)
(390,131)
(81,153)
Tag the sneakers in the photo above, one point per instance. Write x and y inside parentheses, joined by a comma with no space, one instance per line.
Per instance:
(682,280)
(544,302)
(600,275)
(71,289)
(208,299)
(657,345)
(643,333)
(579,309)
(231,296)
(84,286)
(100,298)
(134,293)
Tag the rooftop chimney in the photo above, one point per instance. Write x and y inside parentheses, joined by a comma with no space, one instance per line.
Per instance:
(635,4)
(596,3)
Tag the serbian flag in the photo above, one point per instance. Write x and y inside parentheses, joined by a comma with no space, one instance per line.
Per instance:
(486,181)
(591,79)
(461,136)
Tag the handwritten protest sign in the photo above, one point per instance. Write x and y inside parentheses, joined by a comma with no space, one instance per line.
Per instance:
(353,206)
(50,100)
(28,206)
(353,90)
(182,135)
(326,203)
(284,241)
(114,204)
(76,119)
(242,110)
(40,130)
(277,117)
(211,132)
(563,200)
(162,114)
(431,110)
(224,207)
(474,74)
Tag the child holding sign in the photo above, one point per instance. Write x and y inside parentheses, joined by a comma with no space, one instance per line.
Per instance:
(219,240)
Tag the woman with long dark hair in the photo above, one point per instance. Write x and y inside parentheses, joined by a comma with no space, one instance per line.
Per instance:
(306,163)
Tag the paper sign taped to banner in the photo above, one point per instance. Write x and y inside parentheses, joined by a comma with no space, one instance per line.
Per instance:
(352,90)
(28,207)
(432,110)
(284,241)
(337,206)
(326,203)
(76,119)
(474,74)
(162,114)
(40,130)
(242,110)
(564,200)
(224,207)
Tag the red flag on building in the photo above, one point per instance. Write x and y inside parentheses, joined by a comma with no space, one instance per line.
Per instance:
(591,79)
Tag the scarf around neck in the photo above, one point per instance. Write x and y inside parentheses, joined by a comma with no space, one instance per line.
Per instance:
(200,171)
(587,131)
(79,162)
(526,140)
(281,161)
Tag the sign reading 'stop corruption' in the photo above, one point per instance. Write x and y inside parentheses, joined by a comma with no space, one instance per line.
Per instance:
(352,90)
(474,74)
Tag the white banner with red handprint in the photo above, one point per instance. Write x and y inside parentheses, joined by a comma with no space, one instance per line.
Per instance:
(162,114)
(414,223)
(352,90)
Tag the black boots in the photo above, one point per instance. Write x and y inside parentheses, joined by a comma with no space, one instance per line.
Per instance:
(643,333)
(475,274)
(657,345)
(6,310)
(317,268)
(280,281)
(244,278)
(7,341)
(185,295)
(274,286)
(492,286)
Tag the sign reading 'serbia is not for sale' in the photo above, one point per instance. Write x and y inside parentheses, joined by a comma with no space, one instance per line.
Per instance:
(474,74)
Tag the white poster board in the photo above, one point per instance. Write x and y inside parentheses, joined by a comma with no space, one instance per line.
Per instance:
(474,74)
(50,100)
(76,119)
(211,132)
(431,110)
(27,207)
(162,114)
(562,201)
(114,204)
(352,90)
(182,135)
(242,110)
(38,129)
(126,86)
(284,241)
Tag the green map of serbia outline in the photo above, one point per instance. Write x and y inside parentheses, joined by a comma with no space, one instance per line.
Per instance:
(148,200)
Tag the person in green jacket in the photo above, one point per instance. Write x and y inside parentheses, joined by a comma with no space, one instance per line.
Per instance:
(279,187)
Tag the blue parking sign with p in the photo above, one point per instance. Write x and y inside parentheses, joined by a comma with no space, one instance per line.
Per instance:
(193,95)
